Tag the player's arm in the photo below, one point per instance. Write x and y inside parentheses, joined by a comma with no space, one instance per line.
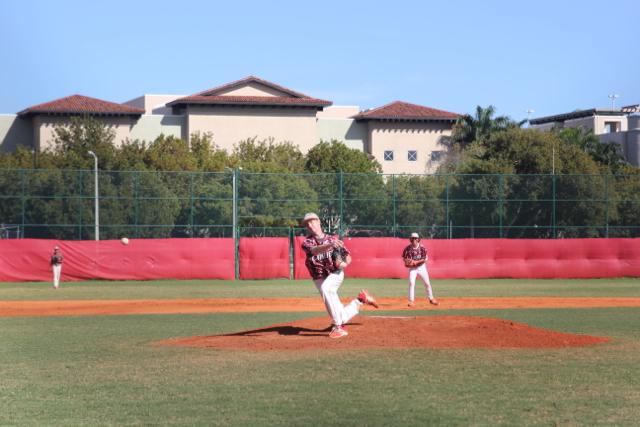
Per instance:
(333,244)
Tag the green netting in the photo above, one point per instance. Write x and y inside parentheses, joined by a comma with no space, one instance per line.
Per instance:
(60,204)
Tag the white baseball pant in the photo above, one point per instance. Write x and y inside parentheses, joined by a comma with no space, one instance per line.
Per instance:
(424,274)
(328,288)
(57,269)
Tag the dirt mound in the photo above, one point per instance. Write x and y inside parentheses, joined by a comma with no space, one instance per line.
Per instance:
(370,332)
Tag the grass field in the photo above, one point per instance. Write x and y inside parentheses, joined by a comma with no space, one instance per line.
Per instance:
(105,370)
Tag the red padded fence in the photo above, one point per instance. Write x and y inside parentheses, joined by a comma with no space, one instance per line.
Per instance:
(142,259)
(486,258)
(264,258)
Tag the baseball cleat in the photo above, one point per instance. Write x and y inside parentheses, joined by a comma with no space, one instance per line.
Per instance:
(411,304)
(366,298)
(338,332)
(433,301)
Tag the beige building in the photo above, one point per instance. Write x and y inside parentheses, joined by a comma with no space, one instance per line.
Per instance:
(403,137)
(612,126)
(406,138)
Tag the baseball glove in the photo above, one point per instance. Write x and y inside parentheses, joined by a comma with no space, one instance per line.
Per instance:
(338,256)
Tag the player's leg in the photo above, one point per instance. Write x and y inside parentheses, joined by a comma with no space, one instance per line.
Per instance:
(56,275)
(328,288)
(424,275)
(412,285)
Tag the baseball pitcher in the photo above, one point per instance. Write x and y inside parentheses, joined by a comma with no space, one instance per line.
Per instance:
(326,259)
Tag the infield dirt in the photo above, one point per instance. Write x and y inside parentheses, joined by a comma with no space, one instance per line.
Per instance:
(369,331)
(260,305)
(378,332)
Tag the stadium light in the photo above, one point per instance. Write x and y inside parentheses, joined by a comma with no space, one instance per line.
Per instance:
(529,112)
(97,209)
(613,97)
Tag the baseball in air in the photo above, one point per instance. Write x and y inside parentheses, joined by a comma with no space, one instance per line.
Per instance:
(125,240)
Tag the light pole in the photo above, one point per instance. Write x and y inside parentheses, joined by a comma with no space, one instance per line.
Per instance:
(529,112)
(613,97)
(95,185)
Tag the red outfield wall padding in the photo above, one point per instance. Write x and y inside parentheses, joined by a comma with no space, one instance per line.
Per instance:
(142,259)
(264,257)
(485,258)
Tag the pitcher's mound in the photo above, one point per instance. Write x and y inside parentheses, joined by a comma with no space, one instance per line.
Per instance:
(370,332)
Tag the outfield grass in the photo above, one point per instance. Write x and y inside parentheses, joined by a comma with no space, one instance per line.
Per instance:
(168,289)
(105,370)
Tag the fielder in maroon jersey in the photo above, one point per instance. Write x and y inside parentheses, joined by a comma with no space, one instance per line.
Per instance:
(415,259)
(56,265)
(327,257)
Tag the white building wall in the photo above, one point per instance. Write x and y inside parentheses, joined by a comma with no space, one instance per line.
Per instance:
(401,137)
(150,126)
(14,131)
(229,125)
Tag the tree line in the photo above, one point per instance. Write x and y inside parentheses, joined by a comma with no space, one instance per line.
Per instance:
(498,179)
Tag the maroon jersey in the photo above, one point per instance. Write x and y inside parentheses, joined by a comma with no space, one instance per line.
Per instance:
(56,259)
(416,254)
(322,264)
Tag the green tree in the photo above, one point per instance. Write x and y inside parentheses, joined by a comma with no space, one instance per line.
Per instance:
(335,156)
(267,156)
(73,140)
(480,127)
(208,156)
(418,203)
(607,155)
(350,188)
(168,153)
(271,190)
(500,187)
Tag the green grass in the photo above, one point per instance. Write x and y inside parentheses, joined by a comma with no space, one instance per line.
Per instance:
(625,287)
(105,370)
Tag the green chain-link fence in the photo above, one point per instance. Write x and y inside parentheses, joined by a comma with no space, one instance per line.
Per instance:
(60,204)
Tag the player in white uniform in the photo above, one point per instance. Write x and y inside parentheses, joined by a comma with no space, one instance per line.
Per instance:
(415,259)
(56,266)
(327,257)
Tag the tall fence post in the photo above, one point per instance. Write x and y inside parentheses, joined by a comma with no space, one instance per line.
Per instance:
(341,221)
(606,205)
(23,182)
(235,231)
(394,194)
(80,177)
(500,202)
(292,242)
(136,202)
(553,207)
(191,227)
(446,209)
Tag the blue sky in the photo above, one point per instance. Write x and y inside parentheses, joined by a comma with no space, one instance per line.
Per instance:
(548,56)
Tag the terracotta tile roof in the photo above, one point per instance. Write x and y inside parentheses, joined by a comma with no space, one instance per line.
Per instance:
(399,110)
(249,100)
(246,81)
(213,97)
(78,104)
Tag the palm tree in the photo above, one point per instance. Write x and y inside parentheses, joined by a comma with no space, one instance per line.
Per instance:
(604,153)
(469,129)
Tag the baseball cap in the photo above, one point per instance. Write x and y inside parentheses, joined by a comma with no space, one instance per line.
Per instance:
(309,216)
(56,247)
(414,236)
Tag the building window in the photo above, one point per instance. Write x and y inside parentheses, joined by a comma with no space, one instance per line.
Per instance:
(412,155)
(611,127)
(437,155)
(388,155)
